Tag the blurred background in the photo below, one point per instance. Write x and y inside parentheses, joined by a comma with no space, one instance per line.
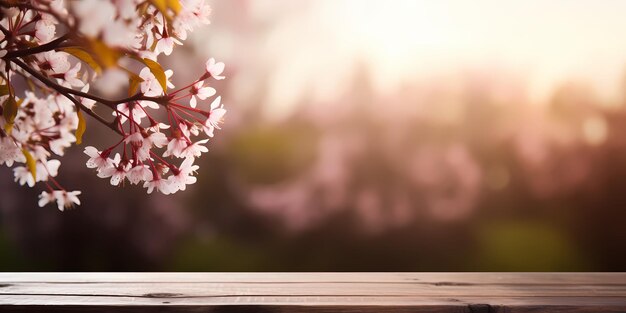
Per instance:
(373,136)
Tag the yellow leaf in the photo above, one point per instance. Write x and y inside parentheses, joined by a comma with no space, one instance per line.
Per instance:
(157,71)
(174,5)
(142,8)
(133,81)
(105,55)
(4,90)
(9,111)
(31,164)
(164,5)
(82,126)
(161,5)
(84,56)
(133,85)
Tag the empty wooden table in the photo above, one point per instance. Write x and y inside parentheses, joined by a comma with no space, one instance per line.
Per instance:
(313,292)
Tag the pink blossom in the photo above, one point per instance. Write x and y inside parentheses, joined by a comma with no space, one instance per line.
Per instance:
(216,117)
(64,199)
(94,15)
(44,31)
(53,61)
(175,147)
(88,103)
(71,76)
(53,113)
(97,160)
(139,173)
(117,173)
(157,139)
(126,8)
(136,138)
(166,45)
(180,180)
(126,110)
(59,145)
(119,34)
(10,152)
(150,85)
(160,184)
(201,92)
(43,170)
(195,149)
(215,69)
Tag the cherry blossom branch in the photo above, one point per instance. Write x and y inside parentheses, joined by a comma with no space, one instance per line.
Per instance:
(162,100)
(64,91)
(24,5)
(42,48)
(5,31)
(106,32)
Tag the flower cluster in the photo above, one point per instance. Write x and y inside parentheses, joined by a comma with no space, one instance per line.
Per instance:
(52,52)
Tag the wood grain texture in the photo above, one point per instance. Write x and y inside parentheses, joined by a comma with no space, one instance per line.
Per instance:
(313,292)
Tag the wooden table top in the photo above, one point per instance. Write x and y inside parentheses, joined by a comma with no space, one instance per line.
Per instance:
(313,292)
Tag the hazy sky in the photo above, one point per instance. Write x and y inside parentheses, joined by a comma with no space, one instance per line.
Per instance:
(314,45)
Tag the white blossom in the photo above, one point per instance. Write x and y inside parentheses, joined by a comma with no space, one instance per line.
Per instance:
(10,152)
(195,149)
(117,173)
(139,173)
(166,45)
(215,118)
(180,180)
(53,61)
(64,199)
(94,15)
(43,170)
(96,160)
(215,69)
(201,92)
(44,31)
(71,76)
(101,39)
(160,184)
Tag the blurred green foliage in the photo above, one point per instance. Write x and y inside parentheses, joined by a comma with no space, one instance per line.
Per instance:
(265,155)
(525,246)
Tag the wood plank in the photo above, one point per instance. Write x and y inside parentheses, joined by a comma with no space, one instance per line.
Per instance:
(197,289)
(440,278)
(313,292)
(452,301)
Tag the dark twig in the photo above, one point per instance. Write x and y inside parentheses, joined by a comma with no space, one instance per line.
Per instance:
(43,48)
(64,91)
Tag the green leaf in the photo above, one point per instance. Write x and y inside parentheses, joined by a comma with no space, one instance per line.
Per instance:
(158,72)
(82,126)
(31,164)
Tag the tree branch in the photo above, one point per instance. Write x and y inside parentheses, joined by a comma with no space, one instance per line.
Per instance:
(5,31)
(42,48)
(64,91)
(110,103)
